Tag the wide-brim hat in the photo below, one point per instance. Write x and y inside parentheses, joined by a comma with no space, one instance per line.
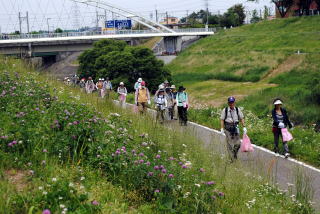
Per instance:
(121,83)
(173,87)
(182,88)
(140,80)
(277,102)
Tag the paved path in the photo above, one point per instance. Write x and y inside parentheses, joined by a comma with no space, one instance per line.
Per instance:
(263,162)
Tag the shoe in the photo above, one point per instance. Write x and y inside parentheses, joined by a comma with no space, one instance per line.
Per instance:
(276,150)
(286,155)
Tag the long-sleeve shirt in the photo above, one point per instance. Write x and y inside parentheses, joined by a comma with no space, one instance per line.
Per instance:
(161,101)
(122,91)
(107,85)
(182,97)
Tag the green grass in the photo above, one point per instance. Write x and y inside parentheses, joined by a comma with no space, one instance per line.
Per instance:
(114,182)
(257,63)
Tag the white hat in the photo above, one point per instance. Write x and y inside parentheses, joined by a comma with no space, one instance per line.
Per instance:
(140,79)
(102,79)
(121,83)
(161,86)
(99,79)
(173,86)
(277,102)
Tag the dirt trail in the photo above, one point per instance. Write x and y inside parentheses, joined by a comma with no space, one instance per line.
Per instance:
(290,63)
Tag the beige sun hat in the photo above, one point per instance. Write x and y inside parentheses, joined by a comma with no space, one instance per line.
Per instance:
(277,102)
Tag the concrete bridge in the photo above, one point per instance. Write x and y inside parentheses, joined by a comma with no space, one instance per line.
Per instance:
(29,45)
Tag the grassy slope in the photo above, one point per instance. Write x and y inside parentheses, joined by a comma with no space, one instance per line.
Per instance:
(250,52)
(239,192)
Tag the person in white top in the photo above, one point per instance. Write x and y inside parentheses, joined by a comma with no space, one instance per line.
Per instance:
(90,86)
(122,92)
(107,87)
(161,104)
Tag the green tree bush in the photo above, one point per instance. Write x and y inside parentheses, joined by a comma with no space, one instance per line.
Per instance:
(122,63)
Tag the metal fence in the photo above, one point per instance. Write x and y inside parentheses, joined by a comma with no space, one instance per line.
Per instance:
(97,33)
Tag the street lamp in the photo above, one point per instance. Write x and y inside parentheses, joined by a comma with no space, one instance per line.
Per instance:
(48,24)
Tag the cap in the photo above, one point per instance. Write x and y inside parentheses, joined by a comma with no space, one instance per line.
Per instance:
(121,83)
(140,80)
(143,83)
(277,102)
(231,100)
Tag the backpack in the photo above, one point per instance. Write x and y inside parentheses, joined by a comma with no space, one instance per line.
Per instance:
(226,113)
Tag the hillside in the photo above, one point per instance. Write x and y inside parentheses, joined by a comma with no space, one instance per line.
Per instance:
(260,60)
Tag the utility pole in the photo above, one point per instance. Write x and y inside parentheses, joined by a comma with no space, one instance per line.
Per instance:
(156,15)
(207,9)
(97,20)
(48,25)
(21,19)
(187,16)
(167,17)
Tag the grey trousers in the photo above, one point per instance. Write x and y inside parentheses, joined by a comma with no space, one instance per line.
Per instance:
(233,144)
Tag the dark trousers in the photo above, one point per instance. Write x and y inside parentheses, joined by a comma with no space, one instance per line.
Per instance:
(277,134)
(183,115)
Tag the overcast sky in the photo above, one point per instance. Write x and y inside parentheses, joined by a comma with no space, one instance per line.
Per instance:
(64,13)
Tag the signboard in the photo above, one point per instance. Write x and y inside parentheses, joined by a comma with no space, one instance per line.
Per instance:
(119,24)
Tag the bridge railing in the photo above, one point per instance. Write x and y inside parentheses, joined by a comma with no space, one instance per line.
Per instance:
(96,33)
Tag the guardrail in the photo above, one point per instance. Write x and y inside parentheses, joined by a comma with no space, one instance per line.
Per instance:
(96,33)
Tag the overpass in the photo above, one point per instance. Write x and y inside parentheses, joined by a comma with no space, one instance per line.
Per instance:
(30,45)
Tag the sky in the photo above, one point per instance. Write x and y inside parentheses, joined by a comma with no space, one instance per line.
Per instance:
(66,14)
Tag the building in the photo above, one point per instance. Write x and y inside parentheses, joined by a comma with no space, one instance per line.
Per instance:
(295,10)
(170,21)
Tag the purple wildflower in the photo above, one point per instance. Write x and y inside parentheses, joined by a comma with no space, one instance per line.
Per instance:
(150,174)
(184,167)
(156,167)
(180,163)
(74,137)
(118,152)
(162,167)
(4,137)
(210,182)
(141,161)
(213,197)
(95,203)
(171,158)
(14,142)
(202,170)
(158,156)
(37,109)
(148,163)
(164,171)
(170,175)
(10,144)
(141,154)
(46,211)
(157,191)
(76,122)
(221,194)
(133,151)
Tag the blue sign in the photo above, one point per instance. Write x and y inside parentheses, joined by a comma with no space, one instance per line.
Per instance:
(119,24)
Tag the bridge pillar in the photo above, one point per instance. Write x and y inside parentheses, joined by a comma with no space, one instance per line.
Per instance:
(172,44)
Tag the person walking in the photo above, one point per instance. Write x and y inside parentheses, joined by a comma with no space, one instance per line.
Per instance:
(230,118)
(175,108)
(99,86)
(161,103)
(142,98)
(122,92)
(82,84)
(107,87)
(171,102)
(137,84)
(183,105)
(280,121)
(90,86)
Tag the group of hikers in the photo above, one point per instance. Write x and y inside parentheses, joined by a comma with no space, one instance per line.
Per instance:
(172,104)
(169,103)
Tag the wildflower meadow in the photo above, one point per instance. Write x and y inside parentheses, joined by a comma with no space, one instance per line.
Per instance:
(65,152)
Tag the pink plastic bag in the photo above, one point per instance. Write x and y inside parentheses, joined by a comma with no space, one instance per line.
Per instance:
(246,145)
(122,97)
(286,135)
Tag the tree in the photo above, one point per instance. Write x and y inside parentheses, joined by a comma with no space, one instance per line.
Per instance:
(283,6)
(255,17)
(58,30)
(266,13)
(122,63)
(235,16)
